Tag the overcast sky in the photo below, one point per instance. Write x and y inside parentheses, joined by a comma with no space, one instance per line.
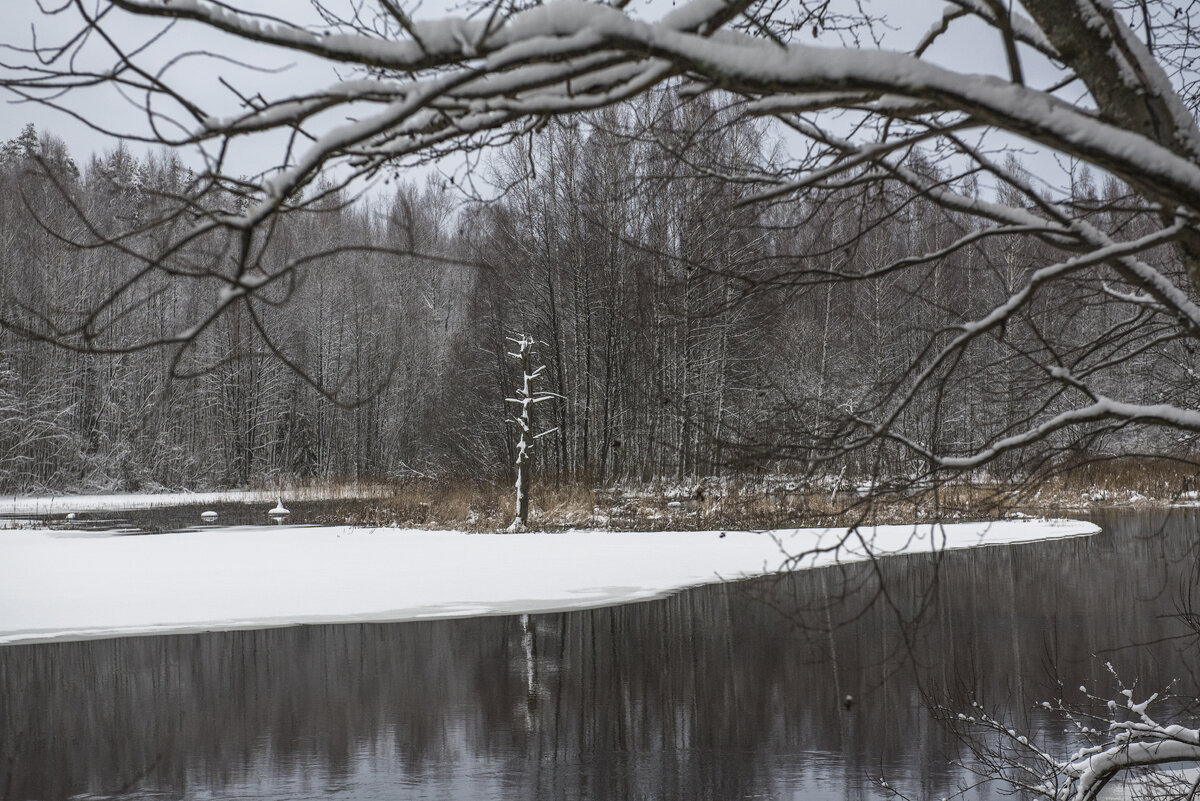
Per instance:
(199,75)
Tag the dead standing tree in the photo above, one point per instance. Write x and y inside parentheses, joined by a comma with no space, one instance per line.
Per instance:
(527,396)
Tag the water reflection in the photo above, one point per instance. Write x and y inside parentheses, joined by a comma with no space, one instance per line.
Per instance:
(724,692)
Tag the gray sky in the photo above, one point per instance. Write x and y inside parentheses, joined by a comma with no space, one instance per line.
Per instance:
(196,75)
(971,48)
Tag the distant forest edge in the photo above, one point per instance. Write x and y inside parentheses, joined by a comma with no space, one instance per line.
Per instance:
(688,332)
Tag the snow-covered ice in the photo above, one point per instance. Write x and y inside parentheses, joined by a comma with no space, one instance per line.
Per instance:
(60,585)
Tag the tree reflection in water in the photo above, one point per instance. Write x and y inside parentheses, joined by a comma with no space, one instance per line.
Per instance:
(727,691)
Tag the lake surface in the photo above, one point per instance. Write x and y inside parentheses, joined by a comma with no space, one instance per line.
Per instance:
(159,519)
(723,692)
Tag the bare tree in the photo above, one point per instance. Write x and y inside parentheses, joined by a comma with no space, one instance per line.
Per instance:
(525,400)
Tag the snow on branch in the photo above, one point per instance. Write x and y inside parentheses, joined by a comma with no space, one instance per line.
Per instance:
(540,61)
(1125,743)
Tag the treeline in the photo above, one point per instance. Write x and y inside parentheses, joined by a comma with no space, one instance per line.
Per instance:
(226,411)
(688,330)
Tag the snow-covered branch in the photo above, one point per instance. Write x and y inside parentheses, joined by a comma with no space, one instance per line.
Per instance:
(1125,744)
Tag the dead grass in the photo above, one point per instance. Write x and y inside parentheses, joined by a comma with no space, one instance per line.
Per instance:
(722,505)
(321,489)
(772,502)
(1153,477)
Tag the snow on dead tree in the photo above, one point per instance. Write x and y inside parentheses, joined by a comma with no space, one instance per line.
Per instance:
(526,397)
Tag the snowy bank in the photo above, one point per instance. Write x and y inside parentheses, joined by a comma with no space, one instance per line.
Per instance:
(74,585)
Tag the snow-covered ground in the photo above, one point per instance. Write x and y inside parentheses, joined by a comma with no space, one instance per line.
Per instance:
(77,585)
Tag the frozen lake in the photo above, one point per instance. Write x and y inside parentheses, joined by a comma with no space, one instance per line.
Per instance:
(720,692)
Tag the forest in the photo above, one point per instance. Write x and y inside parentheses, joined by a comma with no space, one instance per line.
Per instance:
(691,325)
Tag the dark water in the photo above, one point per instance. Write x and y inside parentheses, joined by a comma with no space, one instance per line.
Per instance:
(724,692)
(156,520)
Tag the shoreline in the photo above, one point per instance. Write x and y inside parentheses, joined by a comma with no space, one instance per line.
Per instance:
(772,502)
